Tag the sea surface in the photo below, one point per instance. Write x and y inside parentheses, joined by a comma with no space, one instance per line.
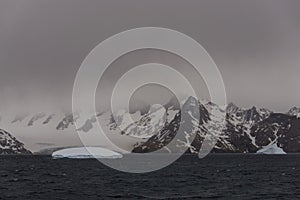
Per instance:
(214,177)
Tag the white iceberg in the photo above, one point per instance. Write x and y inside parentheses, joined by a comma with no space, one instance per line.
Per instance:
(271,149)
(85,153)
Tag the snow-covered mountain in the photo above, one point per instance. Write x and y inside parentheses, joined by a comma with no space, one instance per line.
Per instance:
(294,112)
(142,126)
(236,129)
(44,130)
(10,145)
(41,129)
(190,123)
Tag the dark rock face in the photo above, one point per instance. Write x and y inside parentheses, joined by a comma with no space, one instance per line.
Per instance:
(10,145)
(67,121)
(242,130)
(184,126)
(35,118)
(294,111)
(19,118)
(283,128)
(161,139)
(49,118)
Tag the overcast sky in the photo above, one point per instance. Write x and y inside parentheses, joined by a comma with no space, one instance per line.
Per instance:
(254,43)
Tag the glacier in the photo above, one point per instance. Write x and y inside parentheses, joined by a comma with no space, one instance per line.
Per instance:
(85,153)
(271,149)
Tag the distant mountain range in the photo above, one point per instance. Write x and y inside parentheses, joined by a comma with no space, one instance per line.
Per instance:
(238,130)
(40,130)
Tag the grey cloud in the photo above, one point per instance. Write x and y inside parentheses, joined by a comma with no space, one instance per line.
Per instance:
(254,43)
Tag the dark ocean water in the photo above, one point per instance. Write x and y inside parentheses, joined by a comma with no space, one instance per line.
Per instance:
(214,177)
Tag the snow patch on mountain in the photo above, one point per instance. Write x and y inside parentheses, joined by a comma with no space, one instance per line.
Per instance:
(145,126)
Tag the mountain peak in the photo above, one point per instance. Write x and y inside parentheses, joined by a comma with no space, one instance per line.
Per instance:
(190,104)
(10,145)
(294,111)
(191,99)
(253,108)
(231,107)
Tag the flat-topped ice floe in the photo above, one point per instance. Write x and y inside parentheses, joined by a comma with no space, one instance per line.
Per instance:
(85,153)
(271,149)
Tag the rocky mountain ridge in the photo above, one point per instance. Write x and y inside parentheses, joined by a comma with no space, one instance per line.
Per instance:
(10,145)
(238,130)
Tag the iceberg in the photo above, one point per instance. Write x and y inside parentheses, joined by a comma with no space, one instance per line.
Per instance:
(271,149)
(85,153)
